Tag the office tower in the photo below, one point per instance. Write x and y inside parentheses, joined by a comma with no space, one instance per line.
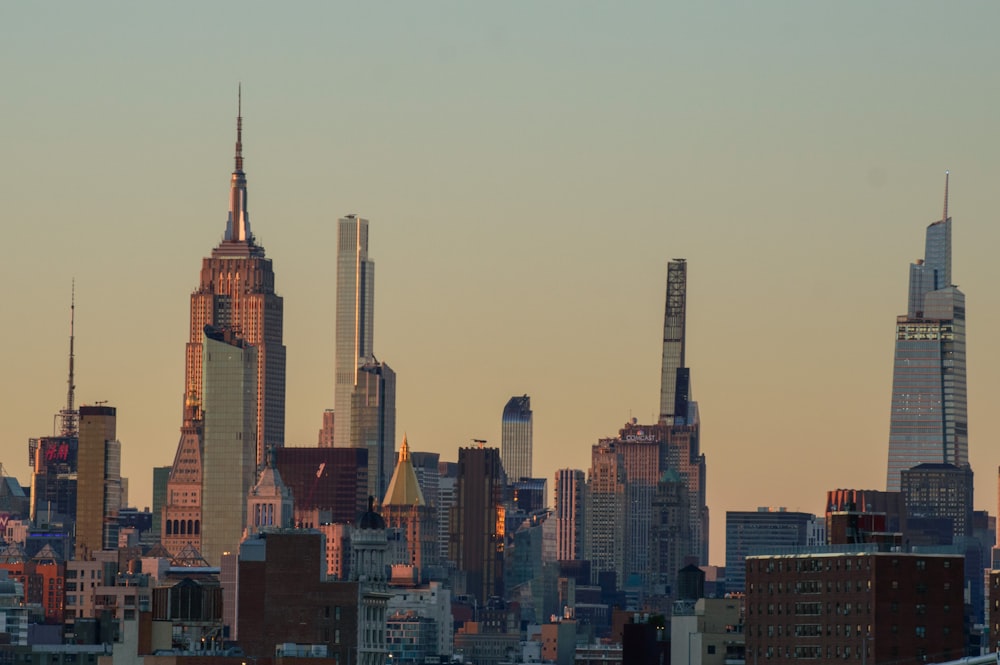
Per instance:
(939,492)
(373,421)
(161,476)
(405,508)
(515,441)
(98,481)
(365,389)
(670,532)
(673,380)
(764,531)
(327,484)
(640,454)
(355,314)
(180,516)
(447,497)
(229,386)
(929,420)
(425,466)
(237,292)
(477,525)
(606,513)
(571,514)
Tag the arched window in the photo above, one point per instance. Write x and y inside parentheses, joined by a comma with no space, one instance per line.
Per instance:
(197,527)
(170,527)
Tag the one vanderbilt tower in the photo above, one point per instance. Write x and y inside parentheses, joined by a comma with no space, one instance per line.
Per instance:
(236,293)
(929,421)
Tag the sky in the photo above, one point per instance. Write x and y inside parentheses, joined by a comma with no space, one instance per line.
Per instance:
(528,170)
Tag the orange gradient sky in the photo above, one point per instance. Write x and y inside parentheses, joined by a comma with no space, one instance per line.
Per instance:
(528,170)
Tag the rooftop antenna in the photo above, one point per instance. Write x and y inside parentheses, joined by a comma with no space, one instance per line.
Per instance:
(69,415)
(946,175)
(239,127)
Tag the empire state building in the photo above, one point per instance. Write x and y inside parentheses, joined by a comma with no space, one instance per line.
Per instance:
(236,293)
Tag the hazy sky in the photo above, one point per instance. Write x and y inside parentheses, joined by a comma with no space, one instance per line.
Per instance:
(528,170)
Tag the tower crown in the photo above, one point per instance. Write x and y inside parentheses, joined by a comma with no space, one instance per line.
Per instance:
(238,224)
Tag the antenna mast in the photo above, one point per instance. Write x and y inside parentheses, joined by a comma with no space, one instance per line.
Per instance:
(947,174)
(70,416)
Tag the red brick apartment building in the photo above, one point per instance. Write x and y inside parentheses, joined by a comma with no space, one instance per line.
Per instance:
(869,608)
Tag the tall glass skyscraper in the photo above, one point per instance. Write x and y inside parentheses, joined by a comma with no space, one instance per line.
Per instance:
(515,438)
(364,414)
(929,420)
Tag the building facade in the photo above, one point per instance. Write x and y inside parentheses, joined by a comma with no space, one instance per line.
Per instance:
(571,514)
(477,525)
(929,419)
(99,481)
(229,467)
(765,530)
(864,607)
(939,491)
(516,438)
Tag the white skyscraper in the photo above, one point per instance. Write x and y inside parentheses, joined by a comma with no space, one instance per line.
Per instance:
(365,389)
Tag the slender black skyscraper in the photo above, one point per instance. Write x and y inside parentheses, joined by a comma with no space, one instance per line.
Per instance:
(674,379)
(929,421)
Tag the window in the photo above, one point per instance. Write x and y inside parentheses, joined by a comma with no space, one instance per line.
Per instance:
(921,631)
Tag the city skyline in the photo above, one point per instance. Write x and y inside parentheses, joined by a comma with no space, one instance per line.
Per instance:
(791,172)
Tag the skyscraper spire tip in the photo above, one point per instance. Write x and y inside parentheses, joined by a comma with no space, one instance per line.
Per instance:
(239,127)
(947,175)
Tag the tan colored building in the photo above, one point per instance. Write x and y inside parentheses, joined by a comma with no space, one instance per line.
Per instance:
(707,632)
(98,489)
(404,508)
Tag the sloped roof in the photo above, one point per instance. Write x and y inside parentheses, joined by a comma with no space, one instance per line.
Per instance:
(404,490)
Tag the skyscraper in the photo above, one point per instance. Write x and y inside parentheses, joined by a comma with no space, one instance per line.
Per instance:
(571,514)
(229,466)
(929,421)
(515,441)
(477,524)
(98,481)
(673,376)
(606,512)
(365,389)
(237,292)
(355,313)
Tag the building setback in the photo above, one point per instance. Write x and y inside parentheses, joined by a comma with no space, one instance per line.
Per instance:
(929,420)
(862,607)
(236,292)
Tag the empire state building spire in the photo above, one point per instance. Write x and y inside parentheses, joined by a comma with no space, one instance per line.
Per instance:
(238,224)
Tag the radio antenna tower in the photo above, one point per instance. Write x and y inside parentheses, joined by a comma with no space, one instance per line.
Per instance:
(69,416)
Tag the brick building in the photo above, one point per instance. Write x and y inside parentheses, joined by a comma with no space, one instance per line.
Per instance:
(901,608)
